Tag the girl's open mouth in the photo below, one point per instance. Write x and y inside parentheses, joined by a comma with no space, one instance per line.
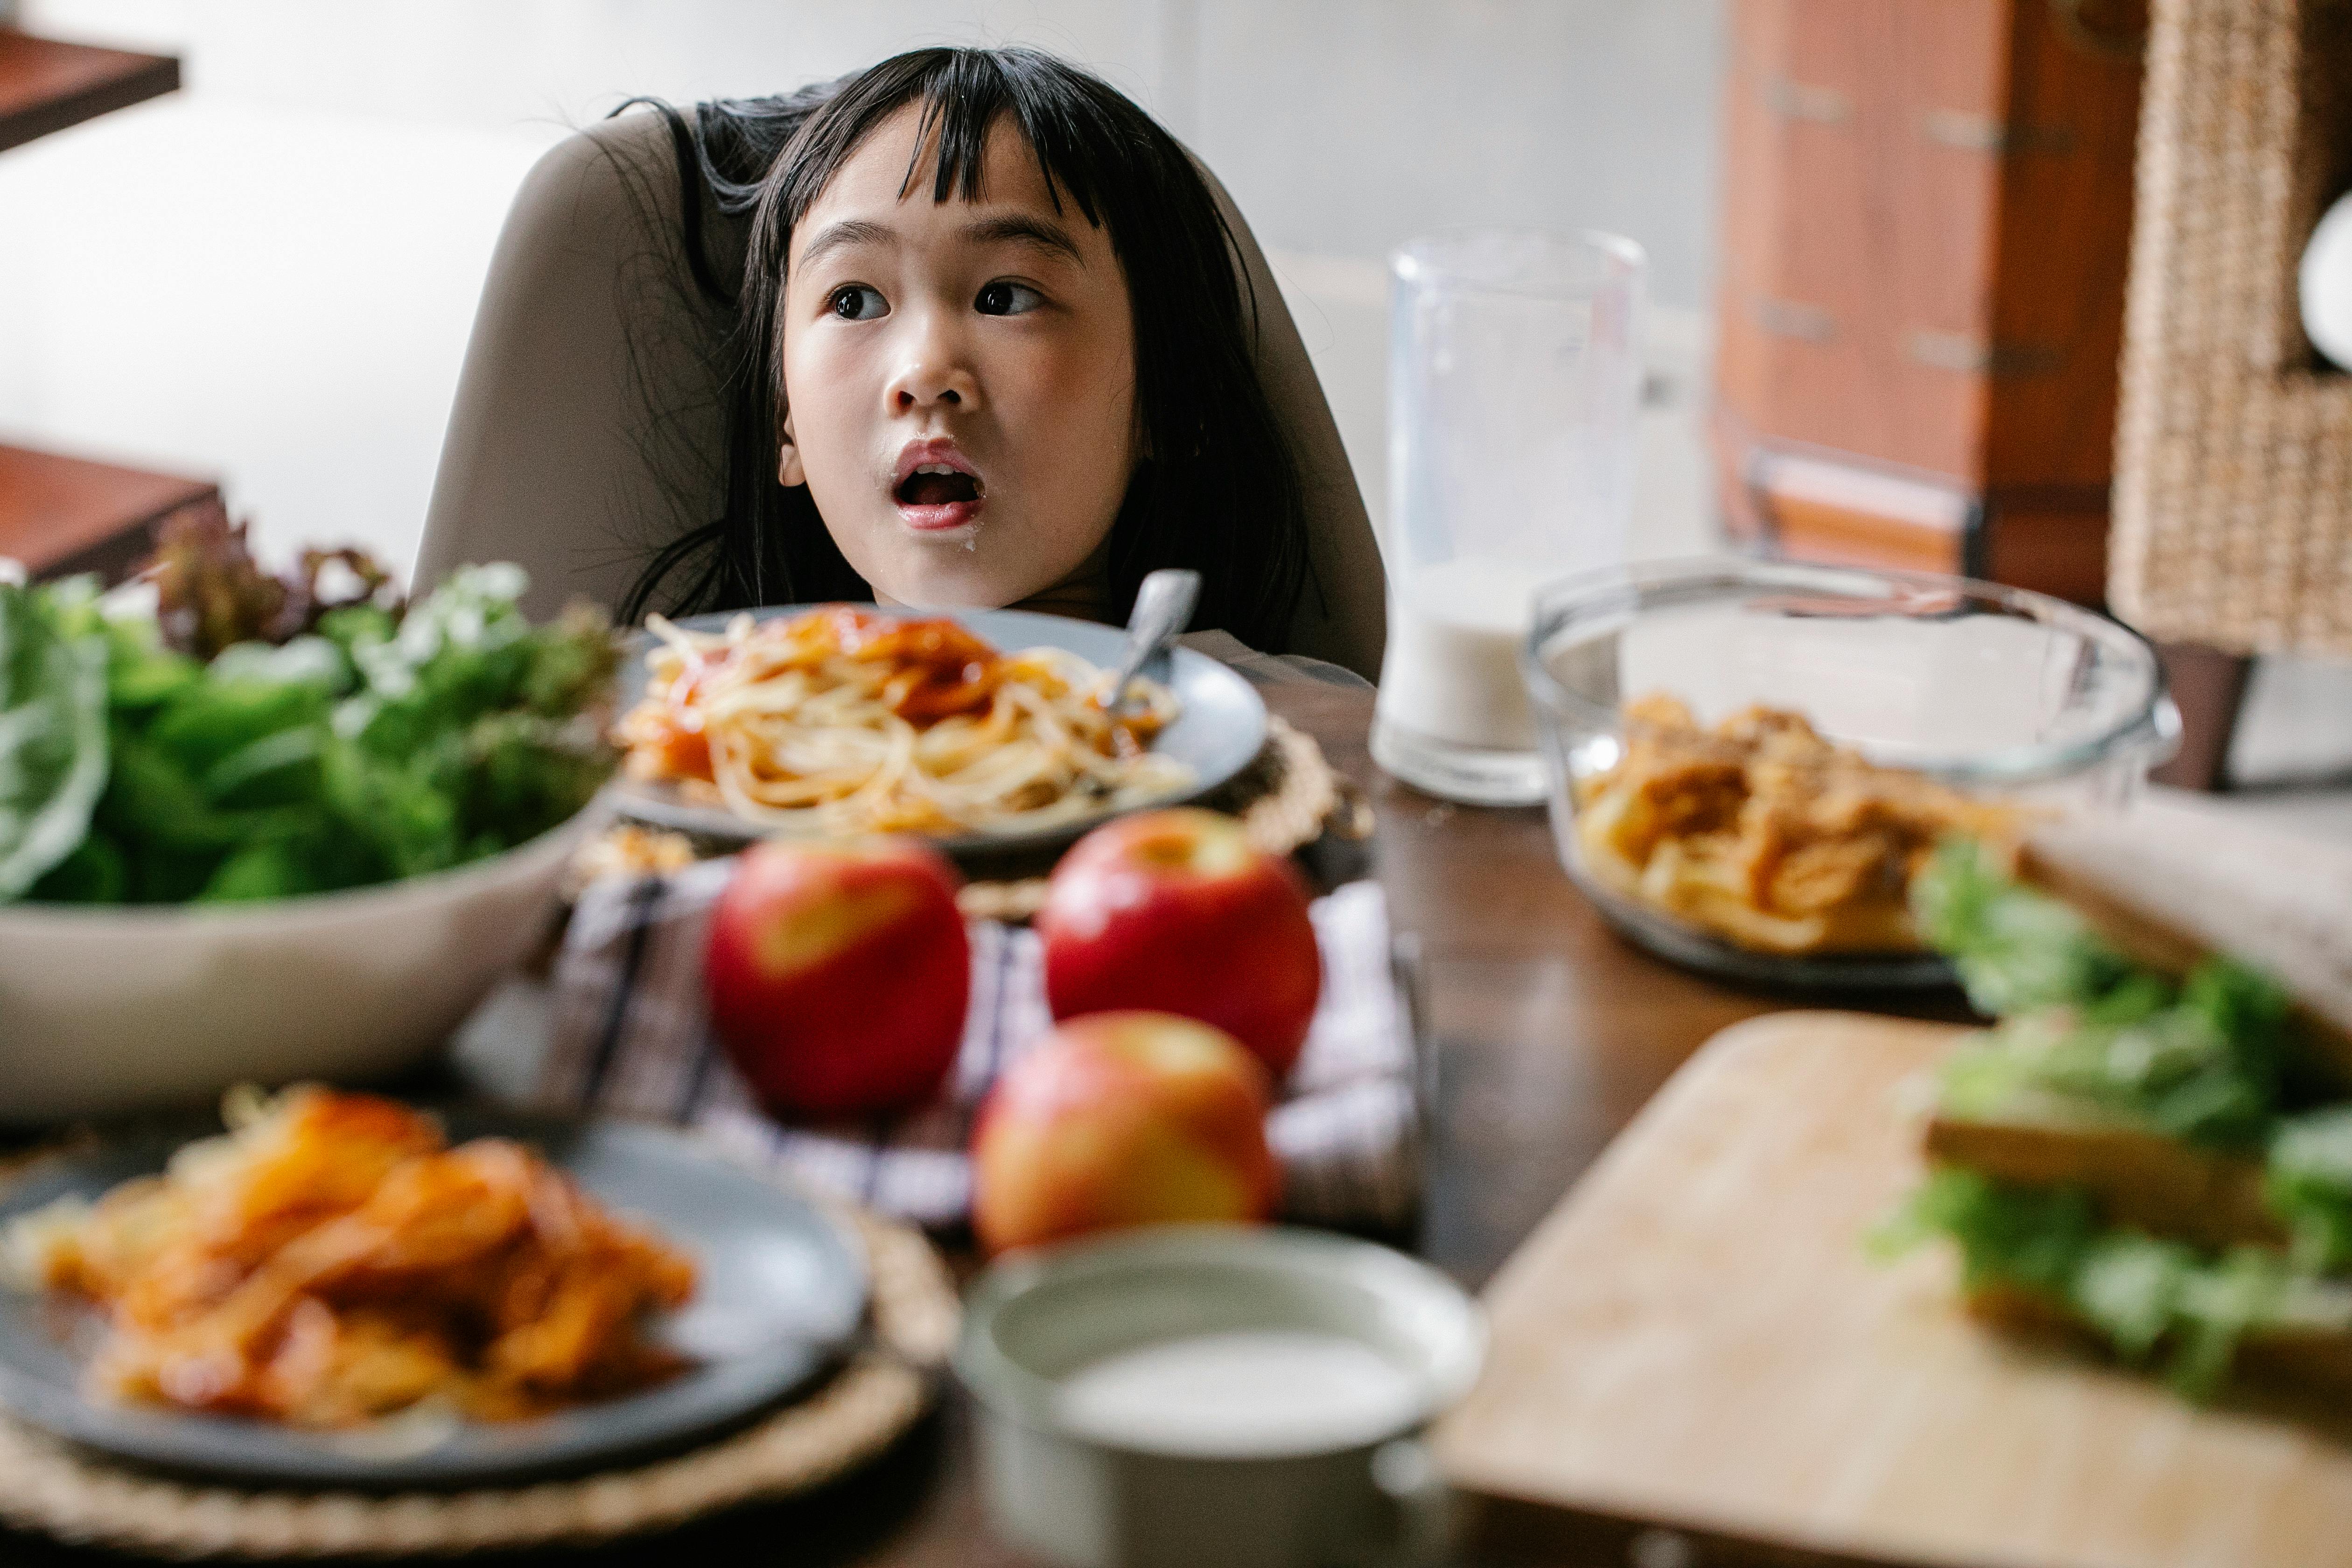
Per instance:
(937,487)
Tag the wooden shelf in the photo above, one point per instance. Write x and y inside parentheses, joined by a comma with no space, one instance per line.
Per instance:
(62,515)
(46,85)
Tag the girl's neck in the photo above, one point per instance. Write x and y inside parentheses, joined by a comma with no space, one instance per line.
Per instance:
(1084,595)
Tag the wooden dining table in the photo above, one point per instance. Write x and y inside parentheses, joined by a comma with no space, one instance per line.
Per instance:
(1550,1031)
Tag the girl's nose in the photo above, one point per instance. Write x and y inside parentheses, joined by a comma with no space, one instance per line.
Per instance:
(936,370)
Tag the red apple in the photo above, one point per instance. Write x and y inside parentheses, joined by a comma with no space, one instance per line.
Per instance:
(1122,1119)
(838,974)
(1178,912)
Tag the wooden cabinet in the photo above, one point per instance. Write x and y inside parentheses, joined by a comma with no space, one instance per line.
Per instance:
(1927,211)
(59,515)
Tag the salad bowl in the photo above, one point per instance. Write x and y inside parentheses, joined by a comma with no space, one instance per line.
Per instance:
(258,829)
(112,1009)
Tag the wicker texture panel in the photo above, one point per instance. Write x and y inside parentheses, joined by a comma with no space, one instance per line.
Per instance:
(2233,480)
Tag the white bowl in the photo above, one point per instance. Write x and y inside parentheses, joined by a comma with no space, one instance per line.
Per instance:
(104,1010)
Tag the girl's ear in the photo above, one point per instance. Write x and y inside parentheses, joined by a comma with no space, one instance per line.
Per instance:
(790,472)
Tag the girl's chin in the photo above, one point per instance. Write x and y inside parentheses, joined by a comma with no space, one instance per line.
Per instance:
(930,537)
(933,579)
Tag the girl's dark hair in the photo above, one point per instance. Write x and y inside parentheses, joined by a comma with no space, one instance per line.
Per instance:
(1219,490)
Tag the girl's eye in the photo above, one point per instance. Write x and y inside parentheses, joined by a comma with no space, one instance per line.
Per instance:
(858,302)
(1001,298)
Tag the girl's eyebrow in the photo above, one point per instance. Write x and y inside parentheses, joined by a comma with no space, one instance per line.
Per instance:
(1015,228)
(846,233)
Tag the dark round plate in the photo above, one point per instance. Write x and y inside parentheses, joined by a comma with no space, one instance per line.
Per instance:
(781,1293)
(1219,731)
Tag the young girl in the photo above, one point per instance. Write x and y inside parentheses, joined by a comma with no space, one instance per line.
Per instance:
(989,349)
(663,406)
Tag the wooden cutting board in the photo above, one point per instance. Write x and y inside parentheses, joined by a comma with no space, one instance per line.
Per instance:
(1694,1338)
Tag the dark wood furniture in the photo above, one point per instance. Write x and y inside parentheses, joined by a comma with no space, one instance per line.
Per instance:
(1551,1035)
(1927,225)
(1926,212)
(2210,687)
(62,515)
(47,85)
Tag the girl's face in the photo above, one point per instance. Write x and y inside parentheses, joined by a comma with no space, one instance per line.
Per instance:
(960,376)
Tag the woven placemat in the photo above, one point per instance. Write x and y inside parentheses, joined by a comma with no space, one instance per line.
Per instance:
(85,1500)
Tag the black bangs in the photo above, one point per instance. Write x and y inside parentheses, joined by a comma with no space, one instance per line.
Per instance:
(1220,491)
(963,94)
(962,100)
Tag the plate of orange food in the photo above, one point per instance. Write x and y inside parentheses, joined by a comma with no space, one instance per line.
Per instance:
(979,730)
(336,1290)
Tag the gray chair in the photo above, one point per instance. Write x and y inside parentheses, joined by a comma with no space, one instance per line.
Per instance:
(586,430)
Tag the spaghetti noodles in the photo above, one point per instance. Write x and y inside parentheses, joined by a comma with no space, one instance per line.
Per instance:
(1767,834)
(843,719)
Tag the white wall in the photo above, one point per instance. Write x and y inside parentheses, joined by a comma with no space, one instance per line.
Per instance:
(1342,126)
(269,278)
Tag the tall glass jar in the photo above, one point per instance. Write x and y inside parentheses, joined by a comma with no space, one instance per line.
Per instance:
(1513,385)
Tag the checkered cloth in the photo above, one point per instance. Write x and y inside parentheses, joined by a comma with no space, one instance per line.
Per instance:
(630,1037)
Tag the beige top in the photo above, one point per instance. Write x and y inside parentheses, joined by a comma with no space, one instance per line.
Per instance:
(556,458)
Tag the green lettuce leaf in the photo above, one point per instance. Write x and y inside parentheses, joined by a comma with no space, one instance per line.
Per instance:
(2083,1032)
(2307,1183)
(53,733)
(2146,1297)
(2015,950)
(385,741)
(2208,1064)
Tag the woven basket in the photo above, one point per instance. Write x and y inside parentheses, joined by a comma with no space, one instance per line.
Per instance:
(2233,474)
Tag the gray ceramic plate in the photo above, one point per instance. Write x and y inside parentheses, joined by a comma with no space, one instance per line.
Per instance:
(781,1292)
(1219,731)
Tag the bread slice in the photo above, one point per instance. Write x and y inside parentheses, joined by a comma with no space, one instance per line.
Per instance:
(2170,884)
(2301,1357)
(2138,1179)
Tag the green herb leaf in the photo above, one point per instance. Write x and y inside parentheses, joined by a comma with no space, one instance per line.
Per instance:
(2144,1296)
(392,741)
(2206,1060)
(2016,950)
(2129,1286)
(2307,1183)
(53,733)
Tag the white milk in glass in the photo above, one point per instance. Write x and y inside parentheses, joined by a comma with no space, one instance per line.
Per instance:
(1513,385)
(1252,1393)
(1452,671)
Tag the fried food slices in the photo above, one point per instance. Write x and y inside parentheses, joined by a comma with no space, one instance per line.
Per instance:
(1761,832)
(331,1259)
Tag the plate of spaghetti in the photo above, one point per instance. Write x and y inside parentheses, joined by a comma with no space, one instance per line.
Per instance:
(976,729)
(335,1289)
